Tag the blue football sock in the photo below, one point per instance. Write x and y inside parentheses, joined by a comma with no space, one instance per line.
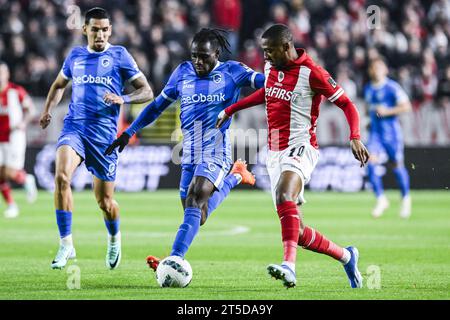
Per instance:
(218,196)
(112,226)
(64,222)
(375,180)
(402,176)
(186,232)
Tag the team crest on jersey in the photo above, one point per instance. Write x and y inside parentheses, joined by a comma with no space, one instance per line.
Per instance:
(217,78)
(280,76)
(332,82)
(211,167)
(105,62)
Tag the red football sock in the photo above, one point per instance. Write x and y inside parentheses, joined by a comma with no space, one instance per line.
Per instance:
(5,189)
(20,176)
(290,227)
(314,241)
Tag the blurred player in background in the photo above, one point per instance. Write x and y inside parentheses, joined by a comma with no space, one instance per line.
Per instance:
(205,86)
(293,91)
(16,111)
(386,100)
(98,72)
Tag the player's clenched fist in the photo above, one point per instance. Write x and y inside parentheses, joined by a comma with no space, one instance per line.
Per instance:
(45,119)
(221,119)
(120,142)
(113,98)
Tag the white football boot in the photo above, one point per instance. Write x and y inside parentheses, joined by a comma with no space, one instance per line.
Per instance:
(31,188)
(114,251)
(65,252)
(12,211)
(380,207)
(405,210)
(284,273)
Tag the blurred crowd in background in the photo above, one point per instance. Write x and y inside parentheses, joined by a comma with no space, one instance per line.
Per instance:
(413,36)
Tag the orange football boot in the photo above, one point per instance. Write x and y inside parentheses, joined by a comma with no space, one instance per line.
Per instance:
(240,167)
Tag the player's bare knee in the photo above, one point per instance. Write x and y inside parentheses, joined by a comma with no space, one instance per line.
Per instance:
(105,204)
(195,200)
(62,180)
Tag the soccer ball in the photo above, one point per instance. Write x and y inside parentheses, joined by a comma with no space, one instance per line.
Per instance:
(174,272)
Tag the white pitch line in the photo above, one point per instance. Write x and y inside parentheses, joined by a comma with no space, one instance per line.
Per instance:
(236,230)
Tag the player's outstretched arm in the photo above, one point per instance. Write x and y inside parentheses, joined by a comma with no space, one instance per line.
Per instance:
(322,83)
(352,115)
(256,98)
(143,93)
(120,142)
(54,96)
(150,113)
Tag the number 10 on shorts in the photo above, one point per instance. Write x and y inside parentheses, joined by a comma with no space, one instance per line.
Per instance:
(297,152)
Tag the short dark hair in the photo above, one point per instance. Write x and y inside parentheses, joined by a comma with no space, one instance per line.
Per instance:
(217,38)
(278,32)
(95,13)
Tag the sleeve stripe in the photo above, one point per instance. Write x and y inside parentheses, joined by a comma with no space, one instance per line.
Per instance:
(336,95)
(137,75)
(252,80)
(167,97)
(64,75)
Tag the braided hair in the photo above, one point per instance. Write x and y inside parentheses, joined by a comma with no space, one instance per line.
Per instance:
(217,38)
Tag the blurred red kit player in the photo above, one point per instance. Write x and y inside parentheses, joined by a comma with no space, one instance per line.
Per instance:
(294,87)
(16,110)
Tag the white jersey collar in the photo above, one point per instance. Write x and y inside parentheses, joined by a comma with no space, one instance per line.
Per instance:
(217,65)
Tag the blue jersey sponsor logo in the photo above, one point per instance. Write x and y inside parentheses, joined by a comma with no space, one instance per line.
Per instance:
(90,79)
(199,98)
(94,74)
(202,99)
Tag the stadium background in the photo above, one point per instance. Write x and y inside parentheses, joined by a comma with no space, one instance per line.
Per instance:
(412,35)
(399,259)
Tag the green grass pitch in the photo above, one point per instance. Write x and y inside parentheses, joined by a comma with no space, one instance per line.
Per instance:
(231,252)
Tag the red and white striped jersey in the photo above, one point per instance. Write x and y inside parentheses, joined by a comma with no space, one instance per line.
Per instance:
(293,97)
(11,109)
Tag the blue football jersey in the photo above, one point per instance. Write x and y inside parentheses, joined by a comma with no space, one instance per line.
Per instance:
(201,100)
(94,74)
(389,94)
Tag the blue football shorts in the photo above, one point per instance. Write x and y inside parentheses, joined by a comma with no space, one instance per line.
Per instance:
(211,171)
(101,166)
